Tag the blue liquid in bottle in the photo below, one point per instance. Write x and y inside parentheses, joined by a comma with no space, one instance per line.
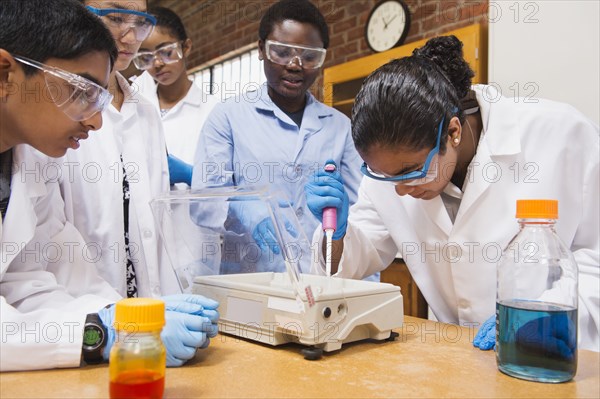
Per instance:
(536,341)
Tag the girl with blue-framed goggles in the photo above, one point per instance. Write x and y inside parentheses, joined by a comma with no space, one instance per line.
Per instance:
(124,20)
(427,174)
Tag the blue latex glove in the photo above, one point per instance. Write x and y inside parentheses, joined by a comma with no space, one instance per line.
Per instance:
(183,334)
(179,171)
(191,320)
(486,336)
(326,189)
(254,216)
(549,336)
(264,235)
(195,305)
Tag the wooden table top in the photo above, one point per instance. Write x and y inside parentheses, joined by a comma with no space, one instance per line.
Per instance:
(427,360)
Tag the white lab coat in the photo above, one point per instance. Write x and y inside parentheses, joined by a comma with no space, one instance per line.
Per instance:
(528,151)
(47,286)
(183,122)
(92,186)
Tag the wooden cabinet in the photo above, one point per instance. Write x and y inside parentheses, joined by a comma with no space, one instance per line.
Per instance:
(413,301)
(342,82)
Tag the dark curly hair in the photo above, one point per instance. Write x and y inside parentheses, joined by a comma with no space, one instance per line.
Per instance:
(403,102)
(295,10)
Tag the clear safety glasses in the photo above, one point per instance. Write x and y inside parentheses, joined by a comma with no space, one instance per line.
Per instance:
(168,54)
(79,98)
(427,174)
(123,20)
(284,54)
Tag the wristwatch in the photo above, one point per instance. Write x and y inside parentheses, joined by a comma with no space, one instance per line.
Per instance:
(94,339)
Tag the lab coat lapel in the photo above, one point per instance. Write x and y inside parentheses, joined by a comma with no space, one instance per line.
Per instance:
(311,123)
(438,214)
(489,162)
(482,175)
(21,219)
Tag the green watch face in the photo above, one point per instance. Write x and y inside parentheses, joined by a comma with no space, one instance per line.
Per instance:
(92,336)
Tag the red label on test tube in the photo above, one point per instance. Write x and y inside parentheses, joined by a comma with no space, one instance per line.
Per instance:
(330,214)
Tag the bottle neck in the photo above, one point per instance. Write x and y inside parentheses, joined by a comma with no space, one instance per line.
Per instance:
(537,222)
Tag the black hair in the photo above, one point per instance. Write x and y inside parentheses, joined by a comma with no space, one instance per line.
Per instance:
(296,10)
(403,102)
(52,29)
(166,18)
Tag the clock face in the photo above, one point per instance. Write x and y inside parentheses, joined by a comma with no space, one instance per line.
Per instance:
(387,25)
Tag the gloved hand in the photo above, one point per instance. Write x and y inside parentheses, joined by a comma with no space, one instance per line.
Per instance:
(254,216)
(326,189)
(195,305)
(179,171)
(486,336)
(183,334)
(264,235)
(553,336)
(191,320)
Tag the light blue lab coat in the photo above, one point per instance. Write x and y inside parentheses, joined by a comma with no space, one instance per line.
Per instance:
(248,140)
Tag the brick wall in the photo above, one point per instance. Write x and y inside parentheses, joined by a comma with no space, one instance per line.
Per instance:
(217,27)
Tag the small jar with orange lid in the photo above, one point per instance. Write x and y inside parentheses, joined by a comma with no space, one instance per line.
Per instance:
(536,299)
(138,356)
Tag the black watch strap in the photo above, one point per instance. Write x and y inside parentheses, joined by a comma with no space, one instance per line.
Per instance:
(94,339)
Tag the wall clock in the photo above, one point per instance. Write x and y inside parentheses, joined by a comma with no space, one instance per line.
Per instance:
(387,25)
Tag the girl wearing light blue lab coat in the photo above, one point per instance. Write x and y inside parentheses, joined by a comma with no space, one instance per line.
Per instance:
(280,134)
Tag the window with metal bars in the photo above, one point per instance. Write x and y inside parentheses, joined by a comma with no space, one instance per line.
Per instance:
(234,76)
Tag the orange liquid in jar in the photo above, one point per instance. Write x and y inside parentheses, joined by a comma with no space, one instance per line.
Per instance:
(138,384)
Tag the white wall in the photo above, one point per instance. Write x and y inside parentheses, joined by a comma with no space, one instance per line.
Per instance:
(547,49)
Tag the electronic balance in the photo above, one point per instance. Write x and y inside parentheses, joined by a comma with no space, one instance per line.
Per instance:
(265,290)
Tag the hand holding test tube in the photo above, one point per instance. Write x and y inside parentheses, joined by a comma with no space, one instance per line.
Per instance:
(329,225)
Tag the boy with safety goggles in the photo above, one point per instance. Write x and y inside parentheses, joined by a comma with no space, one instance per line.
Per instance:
(54,67)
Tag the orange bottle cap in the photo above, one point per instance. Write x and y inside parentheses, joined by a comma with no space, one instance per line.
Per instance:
(537,209)
(139,314)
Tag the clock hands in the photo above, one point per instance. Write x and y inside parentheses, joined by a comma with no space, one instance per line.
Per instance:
(386,23)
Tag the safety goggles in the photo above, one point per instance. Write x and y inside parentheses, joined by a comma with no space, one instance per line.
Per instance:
(427,174)
(123,20)
(284,54)
(79,98)
(168,54)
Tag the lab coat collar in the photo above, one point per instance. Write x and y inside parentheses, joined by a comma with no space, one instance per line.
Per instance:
(195,96)
(28,183)
(313,111)
(129,109)
(499,115)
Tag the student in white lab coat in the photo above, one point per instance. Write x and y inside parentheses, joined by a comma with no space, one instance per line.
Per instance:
(183,106)
(49,286)
(131,142)
(456,169)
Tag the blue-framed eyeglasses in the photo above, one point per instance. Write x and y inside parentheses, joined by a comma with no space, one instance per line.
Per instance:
(124,20)
(426,175)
